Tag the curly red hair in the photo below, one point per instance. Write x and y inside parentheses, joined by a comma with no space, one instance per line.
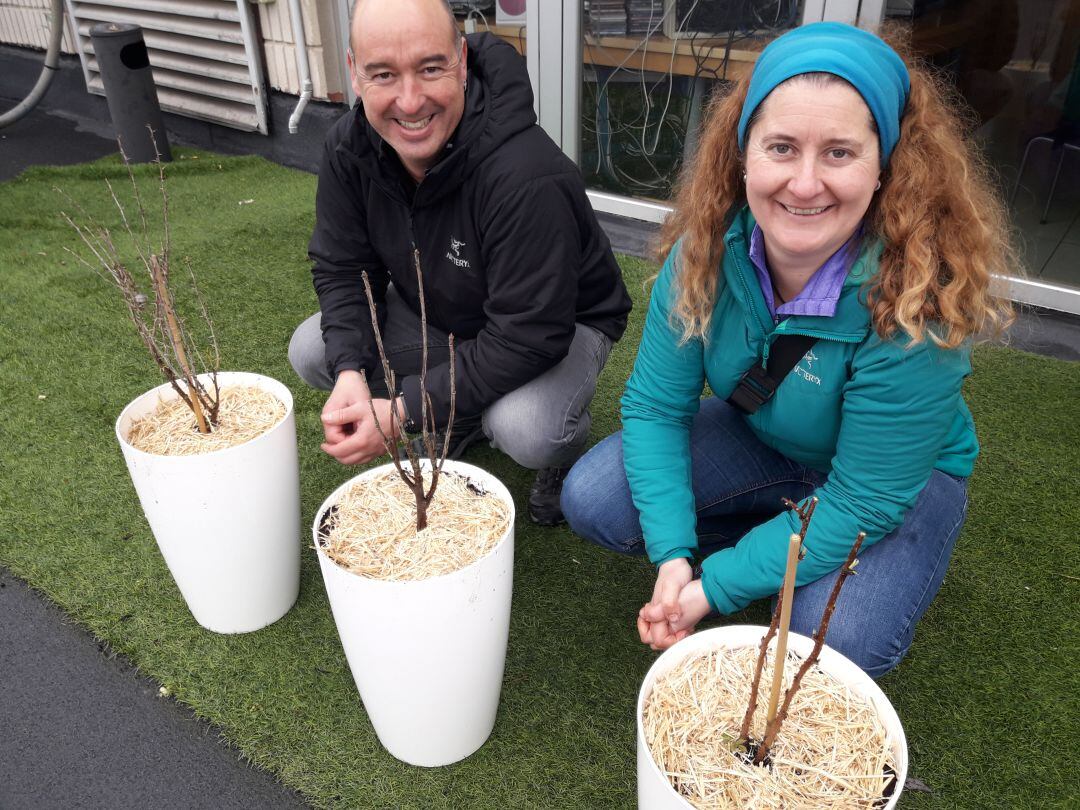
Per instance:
(939,217)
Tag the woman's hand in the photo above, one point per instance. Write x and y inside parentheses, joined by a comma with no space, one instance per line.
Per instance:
(656,618)
(670,580)
(659,632)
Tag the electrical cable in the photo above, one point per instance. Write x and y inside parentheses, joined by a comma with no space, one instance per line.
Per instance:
(755,17)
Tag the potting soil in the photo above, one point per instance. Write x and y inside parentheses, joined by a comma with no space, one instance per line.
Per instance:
(832,750)
(372,530)
(244,413)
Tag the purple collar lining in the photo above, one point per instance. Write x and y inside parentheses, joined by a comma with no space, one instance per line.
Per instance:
(822,291)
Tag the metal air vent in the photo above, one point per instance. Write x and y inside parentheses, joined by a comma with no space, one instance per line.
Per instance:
(203,53)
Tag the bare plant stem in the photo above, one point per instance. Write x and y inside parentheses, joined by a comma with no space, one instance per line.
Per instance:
(805,513)
(744,730)
(773,727)
(164,298)
(394,441)
(159,326)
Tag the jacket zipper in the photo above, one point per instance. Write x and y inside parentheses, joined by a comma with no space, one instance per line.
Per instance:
(746,292)
(820,334)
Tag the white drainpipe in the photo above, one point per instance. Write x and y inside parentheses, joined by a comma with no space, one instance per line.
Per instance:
(300,42)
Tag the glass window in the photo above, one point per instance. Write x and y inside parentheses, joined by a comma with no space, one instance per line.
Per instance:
(649,66)
(1015,64)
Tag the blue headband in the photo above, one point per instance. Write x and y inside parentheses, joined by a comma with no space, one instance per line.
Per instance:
(871,66)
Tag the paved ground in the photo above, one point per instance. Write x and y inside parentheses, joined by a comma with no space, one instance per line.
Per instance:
(79,727)
(82,728)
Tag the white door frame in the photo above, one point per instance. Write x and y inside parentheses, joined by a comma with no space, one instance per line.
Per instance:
(553,38)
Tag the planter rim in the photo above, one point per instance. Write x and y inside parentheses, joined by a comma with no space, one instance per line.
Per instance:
(450,465)
(278,389)
(712,639)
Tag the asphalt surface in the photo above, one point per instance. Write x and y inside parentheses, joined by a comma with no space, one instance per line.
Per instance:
(82,728)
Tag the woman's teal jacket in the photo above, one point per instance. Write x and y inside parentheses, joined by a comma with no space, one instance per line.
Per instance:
(876,415)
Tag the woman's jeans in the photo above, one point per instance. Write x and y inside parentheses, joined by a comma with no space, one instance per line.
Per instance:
(738,483)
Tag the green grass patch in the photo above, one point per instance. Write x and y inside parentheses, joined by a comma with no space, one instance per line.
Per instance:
(987,694)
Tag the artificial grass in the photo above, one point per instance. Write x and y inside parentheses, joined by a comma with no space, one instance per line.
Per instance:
(986,695)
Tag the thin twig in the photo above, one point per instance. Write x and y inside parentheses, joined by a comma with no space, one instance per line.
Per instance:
(806,514)
(160,328)
(396,441)
(773,728)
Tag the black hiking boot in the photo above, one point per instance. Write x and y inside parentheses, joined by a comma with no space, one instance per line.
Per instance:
(466,432)
(544,507)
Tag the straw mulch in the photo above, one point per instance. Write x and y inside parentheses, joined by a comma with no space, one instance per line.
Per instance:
(245,413)
(372,532)
(832,750)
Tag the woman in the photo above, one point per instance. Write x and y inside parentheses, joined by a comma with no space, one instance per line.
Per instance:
(833,196)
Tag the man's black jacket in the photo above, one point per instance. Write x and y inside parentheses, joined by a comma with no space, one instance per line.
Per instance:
(511,252)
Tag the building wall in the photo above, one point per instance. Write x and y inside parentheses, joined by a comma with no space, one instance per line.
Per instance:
(26,23)
(324,51)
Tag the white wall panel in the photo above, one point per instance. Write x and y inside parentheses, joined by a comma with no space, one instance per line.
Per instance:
(26,23)
(203,54)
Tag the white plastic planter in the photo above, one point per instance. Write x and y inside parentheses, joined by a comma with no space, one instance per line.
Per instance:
(427,655)
(655,791)
(227,522)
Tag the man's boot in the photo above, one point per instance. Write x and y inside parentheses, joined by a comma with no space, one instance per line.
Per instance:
(544,507)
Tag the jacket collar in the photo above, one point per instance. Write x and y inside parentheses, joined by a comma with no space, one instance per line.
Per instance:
(498,105)
(852,316)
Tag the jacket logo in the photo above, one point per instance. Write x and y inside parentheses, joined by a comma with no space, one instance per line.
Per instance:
(454,254)
(809,359)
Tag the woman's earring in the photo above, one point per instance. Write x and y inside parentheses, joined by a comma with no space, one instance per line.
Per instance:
(876,188)
(744,178)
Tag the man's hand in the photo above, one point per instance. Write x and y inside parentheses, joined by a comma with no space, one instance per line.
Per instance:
(351,434)
(656,630)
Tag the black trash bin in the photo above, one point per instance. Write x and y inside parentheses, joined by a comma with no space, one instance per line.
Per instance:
(129,90)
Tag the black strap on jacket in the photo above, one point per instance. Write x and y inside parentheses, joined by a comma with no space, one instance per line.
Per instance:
(759,384)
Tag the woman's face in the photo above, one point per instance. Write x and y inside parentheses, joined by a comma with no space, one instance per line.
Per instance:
(811,167)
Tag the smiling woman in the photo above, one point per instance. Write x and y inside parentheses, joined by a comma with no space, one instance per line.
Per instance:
(835,214)
(812,165)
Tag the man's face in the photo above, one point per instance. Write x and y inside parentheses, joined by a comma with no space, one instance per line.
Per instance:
(408,68)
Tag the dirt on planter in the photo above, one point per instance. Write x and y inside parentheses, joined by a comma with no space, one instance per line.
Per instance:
(244,413)
(371,531)
(833,751)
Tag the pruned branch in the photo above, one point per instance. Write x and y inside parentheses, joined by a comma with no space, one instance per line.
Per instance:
(159,325)
(773,728)
(394,441)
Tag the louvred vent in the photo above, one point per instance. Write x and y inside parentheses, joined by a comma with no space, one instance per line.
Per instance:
(203,53)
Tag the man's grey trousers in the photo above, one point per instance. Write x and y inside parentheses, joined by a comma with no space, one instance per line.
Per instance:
(544,423)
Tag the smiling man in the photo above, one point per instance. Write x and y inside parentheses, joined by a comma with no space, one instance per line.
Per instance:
(442,163)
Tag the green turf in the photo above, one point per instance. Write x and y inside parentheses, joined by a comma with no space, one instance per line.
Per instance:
(987,695)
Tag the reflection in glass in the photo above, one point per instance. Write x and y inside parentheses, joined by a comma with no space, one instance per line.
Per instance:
(649,67)
(1014,62)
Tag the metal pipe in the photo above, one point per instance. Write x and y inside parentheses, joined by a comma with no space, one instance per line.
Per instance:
(300,43)
(52,61)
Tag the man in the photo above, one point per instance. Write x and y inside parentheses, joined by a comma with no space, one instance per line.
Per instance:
(442,163)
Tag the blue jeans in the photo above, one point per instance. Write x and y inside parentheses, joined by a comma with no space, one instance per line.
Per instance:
(738,482)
